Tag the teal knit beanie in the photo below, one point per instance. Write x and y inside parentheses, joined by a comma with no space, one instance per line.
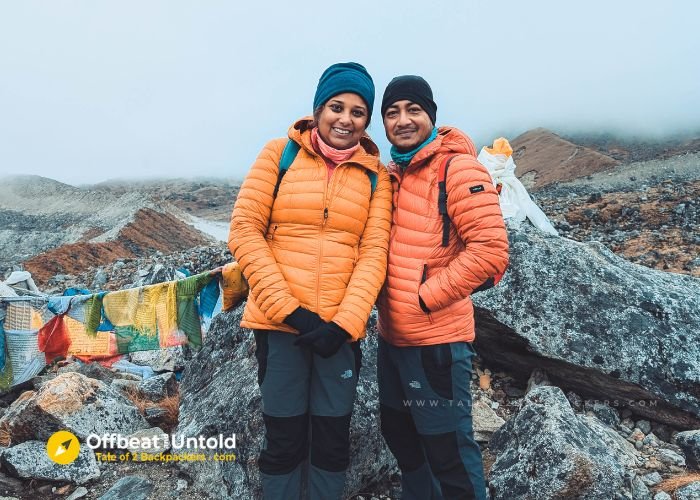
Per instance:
(345,77)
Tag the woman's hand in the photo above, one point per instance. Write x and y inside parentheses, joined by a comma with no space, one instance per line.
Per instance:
(325,340)
(304,320)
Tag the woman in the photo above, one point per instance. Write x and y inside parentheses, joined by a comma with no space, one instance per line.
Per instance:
(312,244)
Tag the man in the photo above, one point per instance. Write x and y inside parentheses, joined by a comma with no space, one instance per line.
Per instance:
(426,317)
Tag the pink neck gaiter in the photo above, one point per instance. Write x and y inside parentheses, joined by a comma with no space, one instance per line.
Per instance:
(329,153)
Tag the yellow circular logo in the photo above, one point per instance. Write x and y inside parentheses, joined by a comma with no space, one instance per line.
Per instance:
(63,447)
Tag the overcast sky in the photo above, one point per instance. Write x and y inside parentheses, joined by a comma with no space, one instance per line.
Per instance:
(91,90)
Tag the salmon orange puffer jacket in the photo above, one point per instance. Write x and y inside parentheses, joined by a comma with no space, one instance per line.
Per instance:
(320,245)
(419,264)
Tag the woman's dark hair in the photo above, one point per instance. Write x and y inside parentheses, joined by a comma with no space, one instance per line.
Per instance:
(316,114)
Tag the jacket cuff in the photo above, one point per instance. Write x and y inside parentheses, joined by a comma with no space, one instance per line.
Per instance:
(428,298)
(347,328)
(281,314)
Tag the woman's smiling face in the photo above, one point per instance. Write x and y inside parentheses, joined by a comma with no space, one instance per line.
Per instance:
(343,120)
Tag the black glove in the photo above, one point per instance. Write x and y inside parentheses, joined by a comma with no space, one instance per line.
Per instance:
(303,320)
(325,340)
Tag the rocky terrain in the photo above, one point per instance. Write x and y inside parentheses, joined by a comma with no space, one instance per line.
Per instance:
(586,385)
(54,228)
(647,212)
(210,199)
(557,413)
(544,158)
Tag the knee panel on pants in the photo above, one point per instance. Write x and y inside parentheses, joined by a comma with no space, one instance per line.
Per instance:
(286,444)
(401,436)
(448,466)
(330,442)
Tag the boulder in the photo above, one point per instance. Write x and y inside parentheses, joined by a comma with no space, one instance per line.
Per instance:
(131,487)
(546,451)
(689,442)
(599,325)
(90,370)
(219,395)
(29,460)
(169,359)
(690,491)
(485,421)
(72,402)
(159,387)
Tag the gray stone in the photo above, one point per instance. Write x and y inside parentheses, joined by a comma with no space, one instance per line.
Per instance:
(546,451)
(652,479)
(669,457)
(689,491)
(72,402)
(169,359)
(640,490)
(598,324)
(219,394)
(604,412)
(100,280)
(131,487)
(91,370)
(485,421)
(651,440)
(538,378)
(662,495)
(643,425)
(159,387)
(79,492)
(125,385)
(29,460)
(628,422)
(689,442)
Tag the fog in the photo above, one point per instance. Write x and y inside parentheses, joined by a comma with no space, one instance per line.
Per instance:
(97,90)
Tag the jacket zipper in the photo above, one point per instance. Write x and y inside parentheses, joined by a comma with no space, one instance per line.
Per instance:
(322,231)
(272,234)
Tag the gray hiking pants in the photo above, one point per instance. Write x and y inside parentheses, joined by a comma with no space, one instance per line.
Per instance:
(307,403)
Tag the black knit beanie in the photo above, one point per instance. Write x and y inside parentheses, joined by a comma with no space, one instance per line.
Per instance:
(413,88)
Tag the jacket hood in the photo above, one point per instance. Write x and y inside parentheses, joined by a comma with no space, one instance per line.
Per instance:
(450,140)
(367,155)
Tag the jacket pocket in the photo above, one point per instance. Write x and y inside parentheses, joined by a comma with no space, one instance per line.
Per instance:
(437,365)
(423,279)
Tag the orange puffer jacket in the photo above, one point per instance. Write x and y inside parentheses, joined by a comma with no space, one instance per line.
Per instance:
(321,245)
(419,264)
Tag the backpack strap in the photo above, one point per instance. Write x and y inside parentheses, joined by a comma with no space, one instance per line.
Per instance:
(372,181)
(289,153)
(442,198)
